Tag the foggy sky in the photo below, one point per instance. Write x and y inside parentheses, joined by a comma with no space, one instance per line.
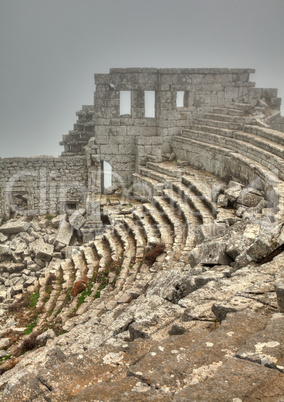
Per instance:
(50,50)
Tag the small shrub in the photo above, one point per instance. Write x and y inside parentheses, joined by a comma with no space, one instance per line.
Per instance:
(33,299)
(3,359)
(48,286)
(153,254)
(30,326)
(49,217)
(50,279)
(58,312)
(20,304)
(84,294)
(79,286)
(98,293)
(29,343)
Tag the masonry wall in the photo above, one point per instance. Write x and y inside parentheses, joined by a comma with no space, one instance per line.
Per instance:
(117,134)
(42,185)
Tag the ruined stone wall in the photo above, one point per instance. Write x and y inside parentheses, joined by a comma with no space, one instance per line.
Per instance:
(278,123)
(42,185)
(116,134)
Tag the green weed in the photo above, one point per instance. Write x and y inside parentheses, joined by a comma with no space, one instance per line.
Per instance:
(33,299)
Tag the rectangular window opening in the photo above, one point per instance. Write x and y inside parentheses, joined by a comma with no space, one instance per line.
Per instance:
(180,98)
(125,103)
(149,99)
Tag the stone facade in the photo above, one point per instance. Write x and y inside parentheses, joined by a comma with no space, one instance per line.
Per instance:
(127,139)
(124,140)
(181,295)
(36,186)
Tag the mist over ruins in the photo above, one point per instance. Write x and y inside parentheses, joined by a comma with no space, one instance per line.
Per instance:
(146,262)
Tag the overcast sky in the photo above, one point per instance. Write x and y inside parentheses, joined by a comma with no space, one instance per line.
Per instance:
(50,50)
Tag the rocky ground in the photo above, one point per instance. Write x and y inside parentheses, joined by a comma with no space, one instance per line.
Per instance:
(208,327)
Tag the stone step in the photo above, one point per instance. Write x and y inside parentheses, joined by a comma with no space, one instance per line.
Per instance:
(126,237)
(195,201)
(260,142)
(151,158)
(52,290)
(129,255)
(161,223)
(92,260)
(80,265)
(168,169)
(68,272)
(269,134)
(228,111)
(177,223)
(146,186)
(103,251)
(114,243)
(267,144)
(137,233)
(210,129)
(151,233)
(267,159)
(219,123)
(155,175)
(191,220)
(228,164)
(68,281)
(202,190)
(45,283)
(245,107)
(225,117)
(201,183)
(194,187)
(88,303)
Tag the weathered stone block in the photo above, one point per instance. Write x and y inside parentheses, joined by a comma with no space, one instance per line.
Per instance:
(64,234)
(57,220)
(233,192)
(279,288)
(15,226)
(210,231)
(4,250)
(209,253)
(249,197)
(42,250)
(3,238)
(77,220)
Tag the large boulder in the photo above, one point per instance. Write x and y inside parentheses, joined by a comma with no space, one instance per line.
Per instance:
(64,234)
(5,249)
(56,221)
(233,191)
(77,220)
(15,226)
(250,197)
(174,285)
(265,243)
(210,231)
(3,238)
(42,250)
(209,253)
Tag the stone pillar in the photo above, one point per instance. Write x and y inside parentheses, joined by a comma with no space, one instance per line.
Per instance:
(93,227)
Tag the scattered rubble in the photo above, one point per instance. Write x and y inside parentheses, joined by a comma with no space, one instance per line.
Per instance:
(113,317)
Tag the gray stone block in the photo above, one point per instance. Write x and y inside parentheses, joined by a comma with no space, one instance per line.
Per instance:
(279,288)
(13,227)
(77,220)
(210,231)
(64,234)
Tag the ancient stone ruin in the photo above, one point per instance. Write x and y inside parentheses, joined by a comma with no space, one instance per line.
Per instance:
(146,262)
